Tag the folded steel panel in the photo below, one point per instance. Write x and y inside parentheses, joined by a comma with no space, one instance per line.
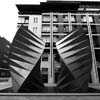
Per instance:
(26,51)
(75,52)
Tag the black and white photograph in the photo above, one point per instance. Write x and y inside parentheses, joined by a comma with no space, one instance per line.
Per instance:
(49,49)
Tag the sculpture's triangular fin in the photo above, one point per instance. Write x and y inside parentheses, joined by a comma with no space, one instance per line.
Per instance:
(26,51)
(75,52)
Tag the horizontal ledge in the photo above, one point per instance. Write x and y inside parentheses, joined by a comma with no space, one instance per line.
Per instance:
(49,94)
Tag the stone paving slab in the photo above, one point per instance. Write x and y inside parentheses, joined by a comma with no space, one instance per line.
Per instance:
(51,97)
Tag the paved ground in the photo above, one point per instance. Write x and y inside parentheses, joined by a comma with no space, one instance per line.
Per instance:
(67,97)
(51,90)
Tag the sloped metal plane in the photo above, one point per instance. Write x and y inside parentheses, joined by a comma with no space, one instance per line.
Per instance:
(24,61)
(75,52)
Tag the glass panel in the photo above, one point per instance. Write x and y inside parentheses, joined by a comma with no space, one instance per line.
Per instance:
(46,28)
(97,54)
(44,69)
(60,18)
(45,78)
(55,18)
(95,29)
(46,18)
(74,27)
(66,28)
(73,18)
(57,64)
(61,28)
(25,26)
(95,19)
(99,71)
(55,39)
(55,28)
(96,41)
(45,59)
(4,73)
(47,44)
(83,19)
(65,18)
(84,27)
(23,19)
(78,19)
(46,38)
(91,19)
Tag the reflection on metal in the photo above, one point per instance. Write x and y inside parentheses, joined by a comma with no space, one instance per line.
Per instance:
(26,51)
(75,52)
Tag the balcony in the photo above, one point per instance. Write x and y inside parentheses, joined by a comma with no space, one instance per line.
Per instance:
(45,29)
(23,20)
(46,19)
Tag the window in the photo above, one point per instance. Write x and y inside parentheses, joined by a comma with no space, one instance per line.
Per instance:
(4,73)
(84,19)
(55,28)
(44,58)
(65,18)
(45,28)
(35,19)
(23,19)
(45,78)
(66,28)
(44,69)
(34,29)
(47,44)
(91,19)
(26,20)
(46,18)
(55,18)
(99,73)
(72,18)
(26,27)
(54,44)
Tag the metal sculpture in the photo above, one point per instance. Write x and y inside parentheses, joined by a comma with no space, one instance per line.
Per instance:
(26,51)
(75,52)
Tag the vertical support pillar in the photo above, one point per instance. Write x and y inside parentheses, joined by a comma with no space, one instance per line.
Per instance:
(69,21)
(51,69)
(94,73)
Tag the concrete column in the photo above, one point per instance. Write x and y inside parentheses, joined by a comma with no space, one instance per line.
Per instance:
(94,73)
(69,21)
(51,69)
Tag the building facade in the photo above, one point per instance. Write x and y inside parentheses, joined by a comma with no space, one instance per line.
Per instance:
(53,20)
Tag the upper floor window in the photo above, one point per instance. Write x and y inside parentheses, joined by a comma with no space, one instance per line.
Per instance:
(34,29)
(35,20)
